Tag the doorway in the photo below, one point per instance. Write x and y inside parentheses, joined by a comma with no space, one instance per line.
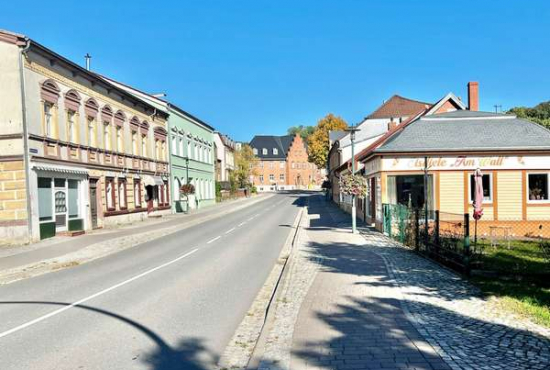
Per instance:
(60,205)
(93,202)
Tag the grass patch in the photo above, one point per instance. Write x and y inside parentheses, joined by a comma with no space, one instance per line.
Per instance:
(522,281)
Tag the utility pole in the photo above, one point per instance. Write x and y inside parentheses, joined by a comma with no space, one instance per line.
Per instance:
(497,107)
(352,130)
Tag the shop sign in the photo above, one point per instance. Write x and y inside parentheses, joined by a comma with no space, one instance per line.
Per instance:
(467,163)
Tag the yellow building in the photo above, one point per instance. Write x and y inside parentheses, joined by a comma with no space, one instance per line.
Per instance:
(76,151)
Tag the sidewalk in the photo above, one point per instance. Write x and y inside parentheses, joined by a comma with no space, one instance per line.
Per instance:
(17,256)
(364,302)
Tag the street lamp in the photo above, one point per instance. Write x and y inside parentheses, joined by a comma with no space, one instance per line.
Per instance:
(352,130)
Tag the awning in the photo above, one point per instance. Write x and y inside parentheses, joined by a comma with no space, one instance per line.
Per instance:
(60,169)
(152,180)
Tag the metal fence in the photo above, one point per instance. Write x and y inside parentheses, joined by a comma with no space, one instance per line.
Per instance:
(442,236)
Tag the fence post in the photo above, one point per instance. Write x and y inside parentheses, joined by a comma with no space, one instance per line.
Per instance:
(437,231)
(466,253)
(417,229)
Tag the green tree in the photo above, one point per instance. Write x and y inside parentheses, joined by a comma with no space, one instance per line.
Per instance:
(318,141)
(245,163)
(539,113)
(303,131)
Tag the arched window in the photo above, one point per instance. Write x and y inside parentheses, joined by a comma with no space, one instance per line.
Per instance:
(91,109)
(72,105)
(106,118)
(120,117)
(49,92)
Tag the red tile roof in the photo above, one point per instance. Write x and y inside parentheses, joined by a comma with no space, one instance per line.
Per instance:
(398,106)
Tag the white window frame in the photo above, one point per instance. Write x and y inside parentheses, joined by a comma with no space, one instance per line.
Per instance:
(485,201)
(537,201)
(264,151)
(275,151)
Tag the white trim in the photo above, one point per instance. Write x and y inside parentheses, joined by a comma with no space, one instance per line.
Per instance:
(535,201)
(485,201)
(449,96)
(467,118)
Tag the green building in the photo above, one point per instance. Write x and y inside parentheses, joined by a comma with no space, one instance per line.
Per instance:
(192,153)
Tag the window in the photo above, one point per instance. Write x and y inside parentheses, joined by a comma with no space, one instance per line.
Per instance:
(71,127)
(92,140)
(135,143)
(271,177)
(264,151)
(487,187)
(163,150)
(275,151)
(174,145)
(110,193)
(281,165)
(106,136)
(45,210)
(262,179)
(408,190)
(282,177)
(122,194)
(119,140)
(48,119)
(255,151)
(271,165)
(181,146)
(144,145)
(538,186)
(197,152)
(189,153)
(157,149)
(73,198)
(137,193)
(293,165)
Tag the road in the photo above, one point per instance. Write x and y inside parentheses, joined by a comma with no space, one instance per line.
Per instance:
(172,303)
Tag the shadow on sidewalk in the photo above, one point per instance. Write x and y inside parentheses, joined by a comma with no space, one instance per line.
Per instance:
(189,354)
(375,330)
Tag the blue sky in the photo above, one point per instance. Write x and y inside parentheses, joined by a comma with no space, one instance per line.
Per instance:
(257,67)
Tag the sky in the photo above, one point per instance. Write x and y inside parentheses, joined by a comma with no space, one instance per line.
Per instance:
(251,67)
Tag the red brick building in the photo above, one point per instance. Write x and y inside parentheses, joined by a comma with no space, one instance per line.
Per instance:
(283,164)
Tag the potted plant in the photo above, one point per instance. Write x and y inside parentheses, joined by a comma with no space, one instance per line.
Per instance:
(186,190)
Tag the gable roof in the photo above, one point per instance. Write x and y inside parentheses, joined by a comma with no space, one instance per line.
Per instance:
(449,97)
(270,142)
(468,131)
(398,106)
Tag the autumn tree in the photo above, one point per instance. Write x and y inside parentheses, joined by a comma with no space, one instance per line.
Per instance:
(539,113)
(318,141)
(303,131)
(245,164)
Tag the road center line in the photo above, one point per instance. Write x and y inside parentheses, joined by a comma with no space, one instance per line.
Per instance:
(230,230)
(57,312)
(213,240)
(241,224)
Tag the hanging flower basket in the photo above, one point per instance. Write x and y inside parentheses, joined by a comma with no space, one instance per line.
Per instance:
(354,185)
(187,189)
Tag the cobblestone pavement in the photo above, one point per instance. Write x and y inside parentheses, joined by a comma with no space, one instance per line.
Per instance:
(450,313)
(372,304)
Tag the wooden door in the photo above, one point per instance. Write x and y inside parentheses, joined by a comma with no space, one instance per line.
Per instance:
(93,202)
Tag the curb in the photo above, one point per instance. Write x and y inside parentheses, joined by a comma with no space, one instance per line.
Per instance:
(243,346)
(105,248)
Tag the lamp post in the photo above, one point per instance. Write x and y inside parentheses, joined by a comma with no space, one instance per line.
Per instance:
(352,130)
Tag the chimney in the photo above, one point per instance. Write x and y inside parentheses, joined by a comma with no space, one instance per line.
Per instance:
(88,57)
(473,96)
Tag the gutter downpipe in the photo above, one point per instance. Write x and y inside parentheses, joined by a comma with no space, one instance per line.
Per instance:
(25,134)
(170,151)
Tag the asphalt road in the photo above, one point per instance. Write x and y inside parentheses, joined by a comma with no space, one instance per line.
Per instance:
(173,303)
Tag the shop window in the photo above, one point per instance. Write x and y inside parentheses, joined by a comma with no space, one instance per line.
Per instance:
(538,186)
(45,210)
(487,188)
(110,193)
(408,190)
(122,194)
(137,193)
(73,198)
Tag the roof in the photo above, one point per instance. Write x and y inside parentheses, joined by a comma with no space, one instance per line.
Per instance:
(468,131)
(22,40)
(449,97)
(269,142)
(398,106)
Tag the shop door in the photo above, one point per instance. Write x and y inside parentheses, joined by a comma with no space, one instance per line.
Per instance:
(93,202)
(60,201)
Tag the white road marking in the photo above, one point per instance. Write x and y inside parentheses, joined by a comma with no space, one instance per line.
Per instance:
(250,218)
(241,224)
(213,240)
(57,312)
(230,230)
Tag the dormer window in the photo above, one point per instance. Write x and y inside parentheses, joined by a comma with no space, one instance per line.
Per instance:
(255,151)
(275,151)
(264,151)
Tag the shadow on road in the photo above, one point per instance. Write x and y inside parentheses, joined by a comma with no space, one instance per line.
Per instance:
(189,354)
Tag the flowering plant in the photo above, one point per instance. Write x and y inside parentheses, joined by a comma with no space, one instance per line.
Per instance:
(354,185)
(187,189)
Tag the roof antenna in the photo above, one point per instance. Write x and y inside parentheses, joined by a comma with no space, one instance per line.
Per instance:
(88,57)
